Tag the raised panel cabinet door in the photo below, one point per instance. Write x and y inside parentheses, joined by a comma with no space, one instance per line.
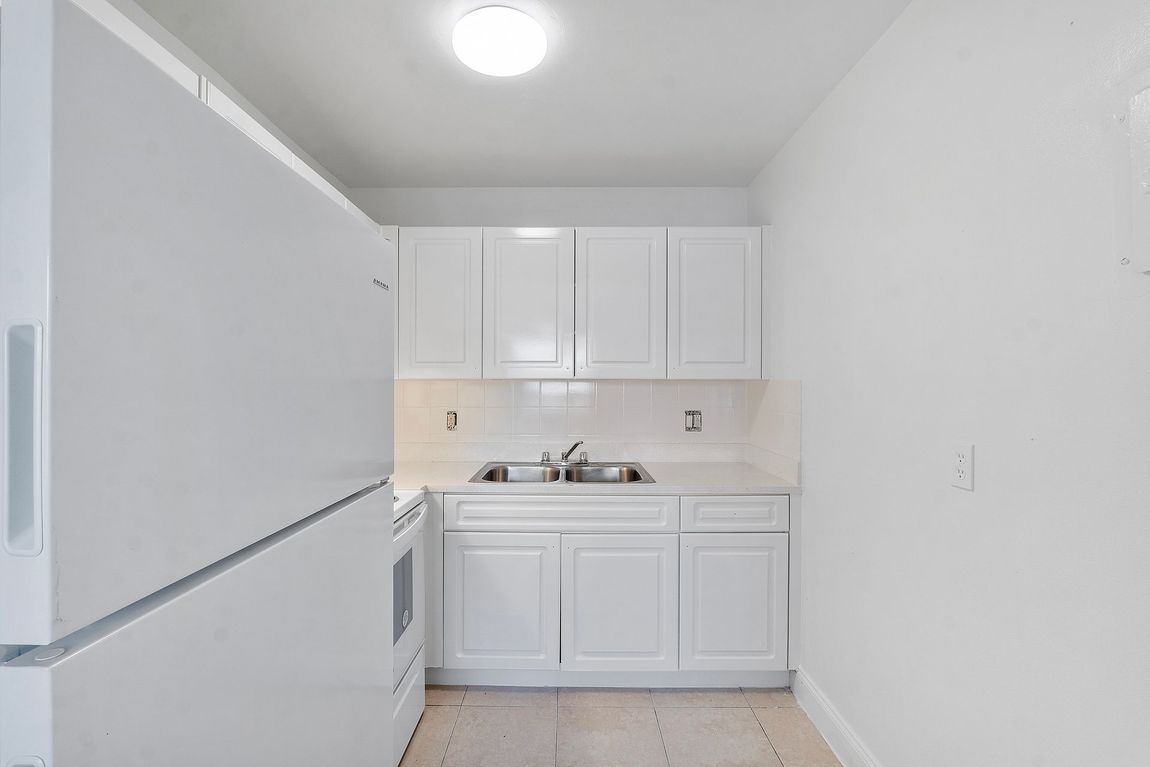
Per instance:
(733,601)
(714,302)
(501,600)
(620,595)
(440,302)
(621,303)
(528,303)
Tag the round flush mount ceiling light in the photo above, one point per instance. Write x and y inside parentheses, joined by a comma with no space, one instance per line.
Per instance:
(499,41)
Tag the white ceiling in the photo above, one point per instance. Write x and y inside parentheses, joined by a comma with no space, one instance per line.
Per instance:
(631,93)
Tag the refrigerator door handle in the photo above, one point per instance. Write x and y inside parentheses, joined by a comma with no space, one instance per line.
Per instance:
(22,502)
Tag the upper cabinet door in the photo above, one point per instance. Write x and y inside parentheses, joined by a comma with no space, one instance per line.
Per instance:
(528,303)
(440,303)
(714,300)
(621,303)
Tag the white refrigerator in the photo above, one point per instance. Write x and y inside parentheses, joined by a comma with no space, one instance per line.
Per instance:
(197,428)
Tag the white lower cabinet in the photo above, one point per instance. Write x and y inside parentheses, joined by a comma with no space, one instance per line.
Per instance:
(501,600)
(620,603)
(733,601)
(575,597)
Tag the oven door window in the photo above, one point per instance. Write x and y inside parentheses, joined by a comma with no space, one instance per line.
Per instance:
(403,603)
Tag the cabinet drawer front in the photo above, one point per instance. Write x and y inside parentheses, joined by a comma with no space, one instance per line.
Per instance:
(568,514)
(736,513)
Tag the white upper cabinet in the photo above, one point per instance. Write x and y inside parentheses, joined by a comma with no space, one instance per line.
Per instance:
(714,300)
(621,303)
(528,303)
(440,302)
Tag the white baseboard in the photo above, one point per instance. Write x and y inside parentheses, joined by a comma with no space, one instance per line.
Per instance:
(839,735)
(556,678)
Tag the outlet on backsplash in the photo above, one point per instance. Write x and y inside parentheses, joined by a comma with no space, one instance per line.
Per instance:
(692,420)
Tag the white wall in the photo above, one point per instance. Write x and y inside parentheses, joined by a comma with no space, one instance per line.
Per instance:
(555,206)
(138,16)
(945,269)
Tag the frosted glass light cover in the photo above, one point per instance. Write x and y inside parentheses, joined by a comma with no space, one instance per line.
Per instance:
(499,41)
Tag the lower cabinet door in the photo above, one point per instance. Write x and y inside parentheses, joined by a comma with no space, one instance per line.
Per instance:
(733,601)
(501,600)
(620,603)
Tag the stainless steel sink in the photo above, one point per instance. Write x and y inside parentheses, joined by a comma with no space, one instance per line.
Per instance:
(599,473)
(510,472)
(604,473)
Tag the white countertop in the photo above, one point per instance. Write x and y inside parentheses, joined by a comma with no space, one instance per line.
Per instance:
(678,478)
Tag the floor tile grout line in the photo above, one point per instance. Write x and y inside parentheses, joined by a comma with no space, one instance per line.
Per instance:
(770,742)
(662,739)
(458,714)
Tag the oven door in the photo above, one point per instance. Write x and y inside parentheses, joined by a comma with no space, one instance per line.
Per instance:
(408,592)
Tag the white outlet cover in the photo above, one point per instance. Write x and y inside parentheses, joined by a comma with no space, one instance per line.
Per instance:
(962,466)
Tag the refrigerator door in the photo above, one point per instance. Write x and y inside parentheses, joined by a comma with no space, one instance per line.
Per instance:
(280,655)
(197,341)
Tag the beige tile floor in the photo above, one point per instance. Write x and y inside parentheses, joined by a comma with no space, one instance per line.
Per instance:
(578,727)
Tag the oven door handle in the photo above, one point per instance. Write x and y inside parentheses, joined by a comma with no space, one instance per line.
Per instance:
(404,534)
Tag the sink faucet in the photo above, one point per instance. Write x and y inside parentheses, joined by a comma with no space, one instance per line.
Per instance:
(567,454)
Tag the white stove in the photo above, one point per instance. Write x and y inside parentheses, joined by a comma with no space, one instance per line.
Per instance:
(405,501)
(408,620)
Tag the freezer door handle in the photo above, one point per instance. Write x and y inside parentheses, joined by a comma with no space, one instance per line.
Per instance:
(22,502)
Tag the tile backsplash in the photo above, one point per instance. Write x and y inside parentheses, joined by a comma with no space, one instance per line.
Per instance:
(774,426)
(516,420)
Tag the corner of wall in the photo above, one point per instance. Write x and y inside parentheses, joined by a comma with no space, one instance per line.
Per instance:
(839,735)
(774,427)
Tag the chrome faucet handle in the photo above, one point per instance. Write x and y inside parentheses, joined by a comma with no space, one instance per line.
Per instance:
(546,457)
(583,457)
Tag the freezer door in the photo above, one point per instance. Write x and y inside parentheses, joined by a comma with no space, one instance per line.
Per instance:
(198,342)
(279,656)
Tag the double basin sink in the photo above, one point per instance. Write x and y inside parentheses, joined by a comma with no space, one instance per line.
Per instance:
(613,473)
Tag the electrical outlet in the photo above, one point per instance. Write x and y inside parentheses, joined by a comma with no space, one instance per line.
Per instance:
(692,420)
(452,420)
(962,469)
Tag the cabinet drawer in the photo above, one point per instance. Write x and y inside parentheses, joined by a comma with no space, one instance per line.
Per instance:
(736,513)
(568,514)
